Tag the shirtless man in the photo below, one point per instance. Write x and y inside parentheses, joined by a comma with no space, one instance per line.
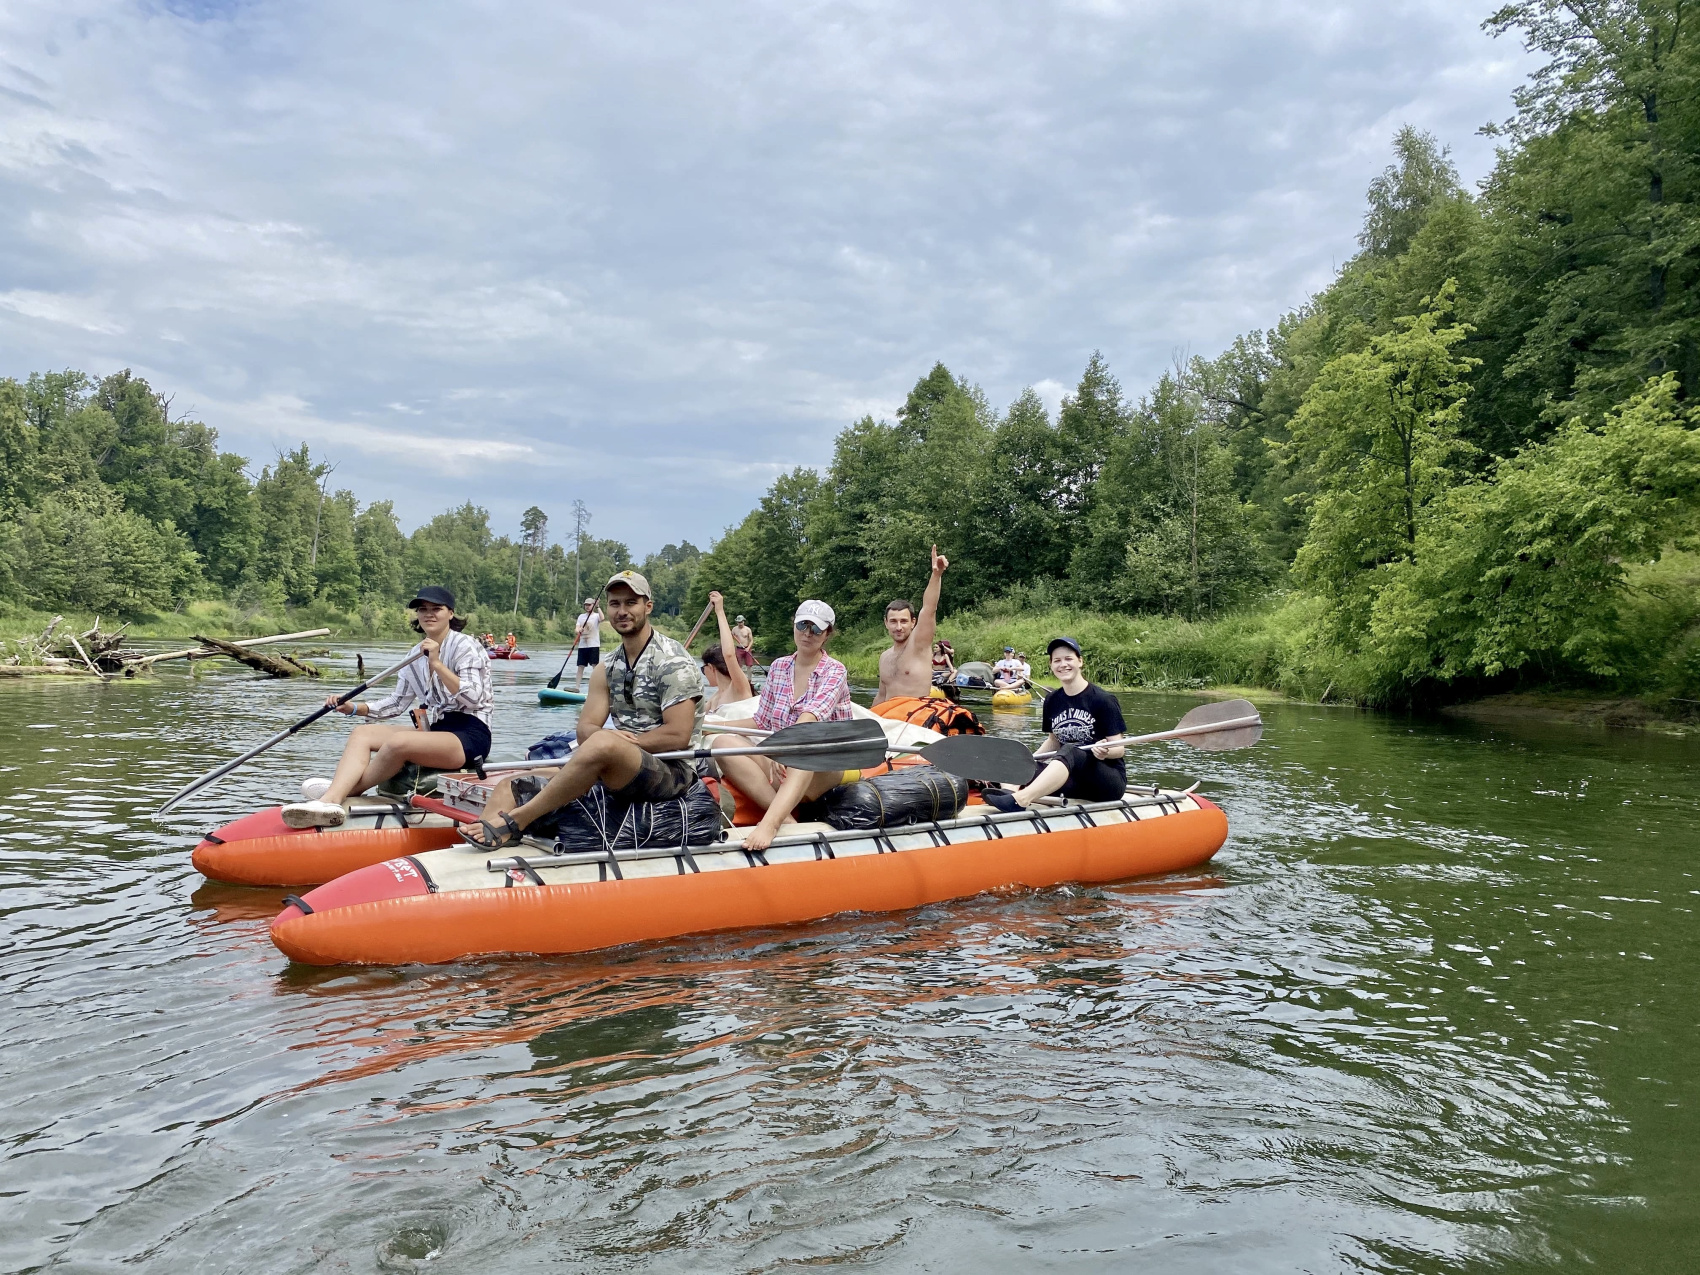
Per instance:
(907,668)
(745,641)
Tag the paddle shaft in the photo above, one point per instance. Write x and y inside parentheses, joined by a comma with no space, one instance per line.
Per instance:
(221,771)
(787,750)
(1180,732)
(701,620)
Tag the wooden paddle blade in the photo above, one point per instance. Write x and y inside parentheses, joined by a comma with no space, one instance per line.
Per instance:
(1221,741)
(982,757)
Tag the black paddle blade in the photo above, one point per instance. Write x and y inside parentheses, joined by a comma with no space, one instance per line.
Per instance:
(1221,741)
(982,757)
(851,745)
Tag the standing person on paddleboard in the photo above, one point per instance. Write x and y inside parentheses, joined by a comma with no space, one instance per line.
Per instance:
(587,641)
(1083,727)
(650,686)
(453,684)
(807,686)
(906,669)
(745,641)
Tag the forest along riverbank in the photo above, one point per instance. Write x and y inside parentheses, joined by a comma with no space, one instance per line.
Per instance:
(1428,1010)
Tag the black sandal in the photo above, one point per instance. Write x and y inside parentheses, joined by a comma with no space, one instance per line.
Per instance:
(511,834)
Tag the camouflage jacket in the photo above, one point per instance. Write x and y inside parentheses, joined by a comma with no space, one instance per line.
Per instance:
(665,674)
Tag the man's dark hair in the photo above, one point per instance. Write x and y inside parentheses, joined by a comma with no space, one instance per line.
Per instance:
(900,604)
(715,657)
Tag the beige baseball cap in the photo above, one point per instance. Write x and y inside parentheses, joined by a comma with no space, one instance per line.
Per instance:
(633,581)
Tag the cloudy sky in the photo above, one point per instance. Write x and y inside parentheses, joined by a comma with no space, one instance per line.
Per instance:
(649,255)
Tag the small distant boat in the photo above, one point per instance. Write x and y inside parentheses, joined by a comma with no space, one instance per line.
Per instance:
(1011,699)
(550,695)
(503,653)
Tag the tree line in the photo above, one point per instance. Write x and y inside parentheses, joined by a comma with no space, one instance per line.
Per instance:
(1473,457)
(110,505)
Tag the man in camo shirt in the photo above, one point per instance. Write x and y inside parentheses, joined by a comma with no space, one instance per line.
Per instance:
(653,689)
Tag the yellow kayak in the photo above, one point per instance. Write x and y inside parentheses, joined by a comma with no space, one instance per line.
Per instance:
(1011,699)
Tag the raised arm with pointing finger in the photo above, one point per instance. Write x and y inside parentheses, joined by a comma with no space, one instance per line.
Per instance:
(927,623)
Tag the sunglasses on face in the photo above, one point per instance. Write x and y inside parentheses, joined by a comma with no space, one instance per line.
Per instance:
(809,627)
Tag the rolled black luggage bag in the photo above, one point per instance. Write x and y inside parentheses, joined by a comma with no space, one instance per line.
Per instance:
(593,822)
(911,794)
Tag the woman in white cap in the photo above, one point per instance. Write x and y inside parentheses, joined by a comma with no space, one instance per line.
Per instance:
(808,686)
(453,683)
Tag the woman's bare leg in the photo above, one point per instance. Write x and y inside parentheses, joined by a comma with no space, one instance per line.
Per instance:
(374,753)
(749,775)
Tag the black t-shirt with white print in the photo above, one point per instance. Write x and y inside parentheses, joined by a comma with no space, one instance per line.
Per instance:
(1084,718)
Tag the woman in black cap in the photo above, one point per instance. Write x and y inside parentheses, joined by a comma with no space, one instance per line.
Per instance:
(453,683)
(1083,724)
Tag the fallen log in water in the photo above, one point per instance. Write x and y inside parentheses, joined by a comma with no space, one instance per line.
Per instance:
(284,667)
(207,652)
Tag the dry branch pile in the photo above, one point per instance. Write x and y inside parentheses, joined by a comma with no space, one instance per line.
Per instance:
(100,654)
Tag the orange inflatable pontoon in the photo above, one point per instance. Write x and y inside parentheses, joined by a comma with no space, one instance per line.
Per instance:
(446,904)
(260,849)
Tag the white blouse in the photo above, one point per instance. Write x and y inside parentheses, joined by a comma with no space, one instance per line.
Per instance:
(419,683)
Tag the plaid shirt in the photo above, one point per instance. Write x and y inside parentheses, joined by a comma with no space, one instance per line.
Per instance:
(827,695)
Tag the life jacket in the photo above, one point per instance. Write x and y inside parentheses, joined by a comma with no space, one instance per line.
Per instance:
(934,714)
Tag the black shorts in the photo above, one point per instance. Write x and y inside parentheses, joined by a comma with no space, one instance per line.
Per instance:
(473,734)
(657,781)
(1088,778)
(588,655)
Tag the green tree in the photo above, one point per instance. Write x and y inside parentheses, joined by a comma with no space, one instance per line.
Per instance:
(18,441)
(1528,566)
(287,497)
(379,552)
(336,572)
(1378,435)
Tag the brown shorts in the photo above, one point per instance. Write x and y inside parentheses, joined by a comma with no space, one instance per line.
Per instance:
(657,781)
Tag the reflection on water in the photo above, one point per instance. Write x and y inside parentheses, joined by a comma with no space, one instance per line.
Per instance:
(1428,1011)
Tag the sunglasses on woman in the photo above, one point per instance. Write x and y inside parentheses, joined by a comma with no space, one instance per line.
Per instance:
(809,627)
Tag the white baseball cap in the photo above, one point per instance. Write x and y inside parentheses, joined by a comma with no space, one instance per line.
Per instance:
(815,612)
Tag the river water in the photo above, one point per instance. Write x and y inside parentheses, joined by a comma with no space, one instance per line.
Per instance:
(1432,1008)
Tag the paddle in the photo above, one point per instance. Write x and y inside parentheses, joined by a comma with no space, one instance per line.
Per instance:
(697,628)
(596,606)
(853,745)
(1211,728)
(219,772)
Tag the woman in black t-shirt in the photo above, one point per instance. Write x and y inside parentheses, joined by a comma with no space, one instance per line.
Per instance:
(1083,723)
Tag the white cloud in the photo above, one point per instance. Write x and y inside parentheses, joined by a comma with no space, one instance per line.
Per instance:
(651,256)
